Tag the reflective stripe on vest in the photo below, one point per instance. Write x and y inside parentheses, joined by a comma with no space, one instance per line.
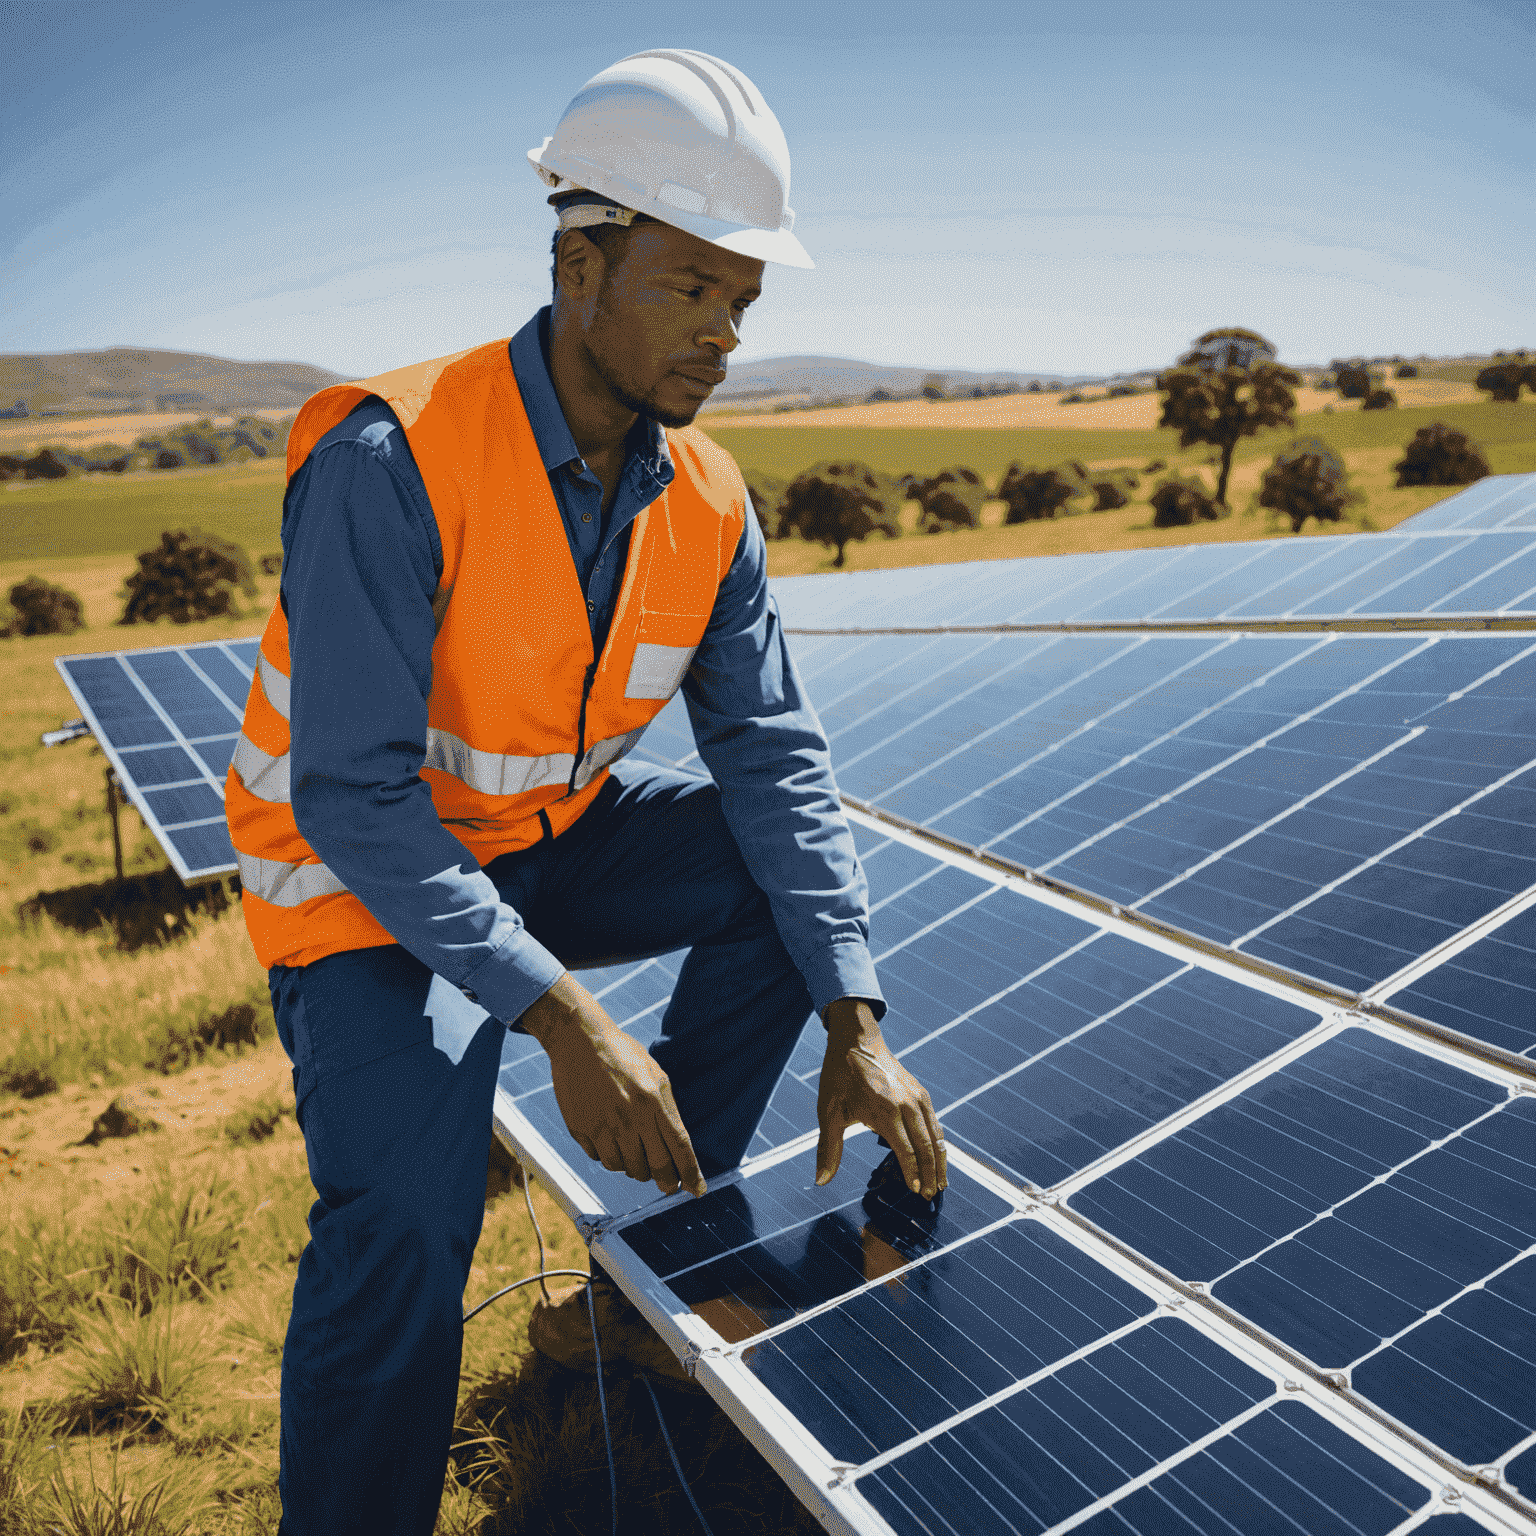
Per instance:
(274,684)
(657,670)
(285,885)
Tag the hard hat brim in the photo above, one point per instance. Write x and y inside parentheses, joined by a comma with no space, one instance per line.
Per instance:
(779,246)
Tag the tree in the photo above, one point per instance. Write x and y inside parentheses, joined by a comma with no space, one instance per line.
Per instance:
(835,503)
(1111,489)
(1034,386)
(1176,503)
(875,396)
(950,499)
(1406,371)
(187,576)
(1503,380)
(1379,400)
(1440,455)
(766,495)
(40,608)
(1353,379)
(935,386)
(1032,494)
(1307,479)
(1226,387)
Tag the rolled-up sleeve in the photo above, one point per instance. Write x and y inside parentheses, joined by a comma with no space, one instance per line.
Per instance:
(759,736)
(360,566)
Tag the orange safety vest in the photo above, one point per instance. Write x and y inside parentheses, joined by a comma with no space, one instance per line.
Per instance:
(521,717)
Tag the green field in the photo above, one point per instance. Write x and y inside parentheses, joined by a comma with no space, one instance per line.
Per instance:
(1508,433)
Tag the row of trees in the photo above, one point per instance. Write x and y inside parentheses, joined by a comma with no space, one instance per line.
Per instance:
(250,437)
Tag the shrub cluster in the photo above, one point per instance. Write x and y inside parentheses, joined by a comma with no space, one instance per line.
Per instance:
(186,577)
(1440,455)
(37,607)
(1178,502)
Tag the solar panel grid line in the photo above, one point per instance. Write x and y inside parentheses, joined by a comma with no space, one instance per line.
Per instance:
(1376,858)
(189,654)
(1280,816)
(1268,739)
(1223,578)
(1429,623)
(1265,975)
(1330,1027)
(1379,593)
(1440,1307)
(1130,757)
(1483,575)
(1477,501)
(1021,767)
(1433,959)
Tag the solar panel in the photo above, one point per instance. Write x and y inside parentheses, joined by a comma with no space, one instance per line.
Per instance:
(1214,945)
(167,718)
(1419,568)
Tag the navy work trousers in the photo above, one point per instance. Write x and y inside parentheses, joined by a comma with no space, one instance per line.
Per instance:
(397,1134)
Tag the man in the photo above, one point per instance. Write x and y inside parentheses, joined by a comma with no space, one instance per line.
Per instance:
(498,567)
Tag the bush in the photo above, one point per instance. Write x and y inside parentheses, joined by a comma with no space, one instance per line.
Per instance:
(40,608)
(835,503)
(188,576)
(950,499)
(1111,491)
(1118,391)
(1177,503)
(1032,494)
(1034,386)
(1075,398)
(1379,400)
(1353,380)
(1440,455)
(1503,380)
(1406,371)
(271,565)
(1307,479)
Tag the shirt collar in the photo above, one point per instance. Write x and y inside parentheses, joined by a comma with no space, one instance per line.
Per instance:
(529,351)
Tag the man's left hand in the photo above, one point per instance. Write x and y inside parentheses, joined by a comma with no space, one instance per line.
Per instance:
(862,1083)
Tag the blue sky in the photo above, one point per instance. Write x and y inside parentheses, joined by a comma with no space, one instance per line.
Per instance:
(1071,188)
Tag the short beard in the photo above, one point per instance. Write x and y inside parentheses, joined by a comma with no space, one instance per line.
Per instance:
(641,405)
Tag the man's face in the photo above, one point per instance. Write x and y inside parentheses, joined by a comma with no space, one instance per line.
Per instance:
(663,319)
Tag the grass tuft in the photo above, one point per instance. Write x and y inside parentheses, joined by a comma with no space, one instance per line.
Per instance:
(170,1505)
(137,1366)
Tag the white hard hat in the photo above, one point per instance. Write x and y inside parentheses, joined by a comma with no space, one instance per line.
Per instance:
(686,138)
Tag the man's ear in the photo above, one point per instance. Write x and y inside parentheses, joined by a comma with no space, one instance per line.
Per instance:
(578,263)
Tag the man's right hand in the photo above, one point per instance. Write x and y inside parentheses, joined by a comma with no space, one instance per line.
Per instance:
(617,1102)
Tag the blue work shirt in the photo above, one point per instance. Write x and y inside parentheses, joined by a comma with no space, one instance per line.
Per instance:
(361,561)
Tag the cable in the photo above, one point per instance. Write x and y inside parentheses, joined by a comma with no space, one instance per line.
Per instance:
(677,1466)
(519,1284)
(538,1231)
(602,1403)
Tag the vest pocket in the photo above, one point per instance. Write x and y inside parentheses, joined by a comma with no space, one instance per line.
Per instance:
(657,671)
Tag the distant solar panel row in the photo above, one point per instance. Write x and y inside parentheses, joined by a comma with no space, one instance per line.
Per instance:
(167,720)
(1443,572)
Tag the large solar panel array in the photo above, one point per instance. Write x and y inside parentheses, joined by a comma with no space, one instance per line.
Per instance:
(1203,894)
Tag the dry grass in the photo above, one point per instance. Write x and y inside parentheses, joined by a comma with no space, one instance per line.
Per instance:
(121,427)
(1046,413)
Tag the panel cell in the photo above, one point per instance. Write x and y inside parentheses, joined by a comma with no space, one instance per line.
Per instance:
(148,766)
(1139,1063)
(1043,1454)
(1466,1378)
(205,849)
(1264,1164)
(1377,1263)
(188,802)
(227,677)
(941,1337)
(185,697)
(123,713)
(217,754)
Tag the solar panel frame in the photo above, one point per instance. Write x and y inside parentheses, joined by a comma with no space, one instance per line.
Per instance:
(177,838)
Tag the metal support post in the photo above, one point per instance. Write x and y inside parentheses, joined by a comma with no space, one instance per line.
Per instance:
(113,792)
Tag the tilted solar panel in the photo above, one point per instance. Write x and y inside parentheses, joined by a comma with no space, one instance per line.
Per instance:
(1496,501)
(167,719)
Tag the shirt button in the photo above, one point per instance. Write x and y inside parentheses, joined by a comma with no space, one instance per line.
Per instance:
(470,994)
(591,607)
(586,517)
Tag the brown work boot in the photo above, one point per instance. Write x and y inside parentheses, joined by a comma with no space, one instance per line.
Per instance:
(561,1330)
